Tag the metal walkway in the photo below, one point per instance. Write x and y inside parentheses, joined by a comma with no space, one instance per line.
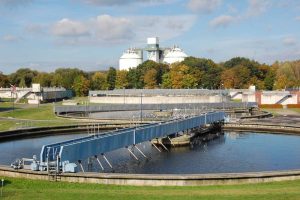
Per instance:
(82,148)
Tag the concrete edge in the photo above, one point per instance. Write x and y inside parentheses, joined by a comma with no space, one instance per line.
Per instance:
(159,179)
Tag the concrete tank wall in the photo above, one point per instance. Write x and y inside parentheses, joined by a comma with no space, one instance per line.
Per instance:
(158,99)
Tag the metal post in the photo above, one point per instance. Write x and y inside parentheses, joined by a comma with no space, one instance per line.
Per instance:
(132,153)
(79,161)
(99,163)
(156,147)
(141,107)
(164,146)
(124,94)
(170,141)
(140,151)
(107,160)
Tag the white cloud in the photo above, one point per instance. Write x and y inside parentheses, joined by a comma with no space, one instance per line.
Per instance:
(111,28)
(204,6)
(122,2)
(106,29)
(289,41)
(257,7)
(222,21)
(67,27)
(297,18)
(10,38)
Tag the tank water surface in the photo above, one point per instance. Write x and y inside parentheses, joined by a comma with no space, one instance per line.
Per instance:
(231,152)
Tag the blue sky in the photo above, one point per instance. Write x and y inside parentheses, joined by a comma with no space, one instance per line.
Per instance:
(92,34)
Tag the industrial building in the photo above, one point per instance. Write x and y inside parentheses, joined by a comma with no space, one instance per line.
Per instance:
(132,57)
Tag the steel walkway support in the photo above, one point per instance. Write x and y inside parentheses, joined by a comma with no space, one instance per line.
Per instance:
(82,148)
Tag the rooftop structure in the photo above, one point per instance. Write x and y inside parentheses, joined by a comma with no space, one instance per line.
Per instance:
(133,57)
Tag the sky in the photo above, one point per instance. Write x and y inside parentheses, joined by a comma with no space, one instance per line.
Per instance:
(93,34)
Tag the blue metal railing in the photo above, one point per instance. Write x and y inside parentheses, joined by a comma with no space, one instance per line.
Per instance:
(81,148)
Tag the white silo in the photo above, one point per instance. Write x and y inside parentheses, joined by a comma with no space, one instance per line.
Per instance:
(174,55)
(131,58)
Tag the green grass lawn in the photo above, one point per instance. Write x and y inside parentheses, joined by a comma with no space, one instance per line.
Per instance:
(42,112)
(33,115)
(29,189)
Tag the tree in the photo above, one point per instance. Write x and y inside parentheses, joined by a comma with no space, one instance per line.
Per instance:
(4,82)
(111,78)
(180,77)
(166,81)
(150,79)
(23,77)
(205,71)
(281,81)
(57,80)
(67,76)
(81,86)
(43,78)
(134,79)
(236,77)
(189,81)
(295,67)
(121,79)
(260,85)
(228,78)
(99,81)
(270,79)
(241,61)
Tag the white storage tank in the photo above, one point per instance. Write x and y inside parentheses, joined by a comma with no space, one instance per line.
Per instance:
(174,55)
(130,59)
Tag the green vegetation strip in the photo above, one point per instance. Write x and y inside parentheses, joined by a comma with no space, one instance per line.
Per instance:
(26,116)
(43,112)
(33,189)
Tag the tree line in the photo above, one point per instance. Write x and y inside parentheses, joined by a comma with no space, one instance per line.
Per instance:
(193,72)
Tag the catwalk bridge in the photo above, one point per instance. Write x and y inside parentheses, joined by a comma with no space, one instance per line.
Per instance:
(82,148)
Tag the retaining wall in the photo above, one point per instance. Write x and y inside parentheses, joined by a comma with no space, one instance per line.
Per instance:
(160,179)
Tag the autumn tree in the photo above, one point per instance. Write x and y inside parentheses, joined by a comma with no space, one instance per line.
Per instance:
(81,86)
(180,78)
(228,78)
(236,77)
(99,81)
(121,79)
(288,73)
(150,80)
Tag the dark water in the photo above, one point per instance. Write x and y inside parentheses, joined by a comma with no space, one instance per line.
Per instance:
(232,152)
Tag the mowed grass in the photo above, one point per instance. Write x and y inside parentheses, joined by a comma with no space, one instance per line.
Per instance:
(42,112)
(33,189)
(30,116)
